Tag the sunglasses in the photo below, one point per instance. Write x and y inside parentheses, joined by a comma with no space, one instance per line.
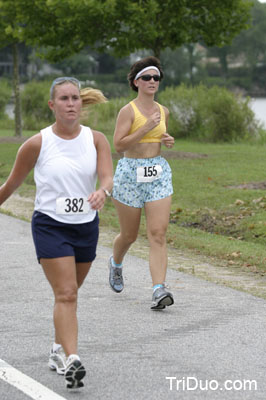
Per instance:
(148,77)
(63,79)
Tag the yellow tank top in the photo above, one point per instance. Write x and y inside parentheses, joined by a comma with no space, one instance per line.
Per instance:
(153,136)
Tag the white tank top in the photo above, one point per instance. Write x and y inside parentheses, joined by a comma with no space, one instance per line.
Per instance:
(66,170)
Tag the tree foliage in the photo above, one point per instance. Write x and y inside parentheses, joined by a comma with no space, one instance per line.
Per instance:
(156,24)
(64,27)
(252,41)
(248,48)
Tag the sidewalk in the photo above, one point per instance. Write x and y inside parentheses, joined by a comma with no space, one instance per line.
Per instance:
(210,336)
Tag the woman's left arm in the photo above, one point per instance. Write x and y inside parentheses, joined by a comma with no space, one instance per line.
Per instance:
(167,139)
(104,171)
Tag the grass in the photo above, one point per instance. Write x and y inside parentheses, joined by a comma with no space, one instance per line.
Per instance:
(210,214)
(10,133)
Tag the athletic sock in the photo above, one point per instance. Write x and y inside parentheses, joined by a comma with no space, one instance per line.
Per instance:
(73,356)
(114,264)
(56,347)
(157,286)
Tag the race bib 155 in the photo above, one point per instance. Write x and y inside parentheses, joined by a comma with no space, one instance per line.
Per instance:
(149,173)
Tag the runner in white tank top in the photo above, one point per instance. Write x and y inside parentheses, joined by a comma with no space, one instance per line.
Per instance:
(65,169)
(67,159)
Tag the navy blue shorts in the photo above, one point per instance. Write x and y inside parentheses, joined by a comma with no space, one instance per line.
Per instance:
(53,239)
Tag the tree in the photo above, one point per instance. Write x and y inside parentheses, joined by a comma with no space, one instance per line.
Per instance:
(222,53)
(156,24)
(65,27)
(48,23)
(251,42)
(7,25)
(248,46)
(21,20)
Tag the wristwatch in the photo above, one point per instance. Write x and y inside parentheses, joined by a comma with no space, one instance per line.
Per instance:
(108,194)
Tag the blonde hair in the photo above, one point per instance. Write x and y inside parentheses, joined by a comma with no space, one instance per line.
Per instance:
(92,96)
(88,95)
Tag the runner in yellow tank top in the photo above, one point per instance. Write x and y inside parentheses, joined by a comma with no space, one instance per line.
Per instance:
(143,178)
(154,135)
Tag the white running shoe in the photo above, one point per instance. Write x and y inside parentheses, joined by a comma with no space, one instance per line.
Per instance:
(57,361)
(74,372)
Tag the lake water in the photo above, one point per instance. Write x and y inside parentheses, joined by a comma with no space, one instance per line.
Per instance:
(259,108)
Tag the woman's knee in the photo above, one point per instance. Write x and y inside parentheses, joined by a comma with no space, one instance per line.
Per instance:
(66,295)
(129,237)
(157,236)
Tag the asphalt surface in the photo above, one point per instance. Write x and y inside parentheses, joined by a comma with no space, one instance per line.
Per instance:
(212,339)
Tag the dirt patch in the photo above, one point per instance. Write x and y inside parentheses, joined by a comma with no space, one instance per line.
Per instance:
(242,220)
(250,186)
(222,222)
(19,207)
(13,139)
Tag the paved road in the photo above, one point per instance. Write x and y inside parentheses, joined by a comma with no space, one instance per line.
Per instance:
(213,336)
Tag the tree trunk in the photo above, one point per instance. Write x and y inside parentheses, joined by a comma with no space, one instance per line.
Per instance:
(223,61)
(156,48)
(190,48)
(18,127)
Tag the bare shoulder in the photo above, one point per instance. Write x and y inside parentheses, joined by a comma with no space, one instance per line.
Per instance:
(31,148)
(127,107)
(127,110)
(34,141)
(166,111)
(99,138)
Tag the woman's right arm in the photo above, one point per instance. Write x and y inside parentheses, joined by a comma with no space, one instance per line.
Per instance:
(122,140)
(26,158)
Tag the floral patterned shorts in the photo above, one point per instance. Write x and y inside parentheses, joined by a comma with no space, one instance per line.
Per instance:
(140,180)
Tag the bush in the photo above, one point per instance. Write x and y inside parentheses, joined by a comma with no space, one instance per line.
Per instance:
(103,116)
(6,122)
(209,114)
(34,103)
(5,96)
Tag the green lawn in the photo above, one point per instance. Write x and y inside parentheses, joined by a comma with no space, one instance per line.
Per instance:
(208,215)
